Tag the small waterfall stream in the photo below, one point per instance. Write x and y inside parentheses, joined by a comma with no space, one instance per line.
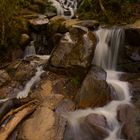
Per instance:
(65,8)
(109,41)
(30,49)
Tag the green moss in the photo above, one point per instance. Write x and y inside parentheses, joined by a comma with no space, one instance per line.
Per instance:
(76,80)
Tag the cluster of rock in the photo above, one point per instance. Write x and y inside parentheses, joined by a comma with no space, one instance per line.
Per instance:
(70,80)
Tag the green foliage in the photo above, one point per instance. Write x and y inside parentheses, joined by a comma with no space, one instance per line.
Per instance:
(24,3)
(49,7)
(8,30)
(76,80)
(111,11)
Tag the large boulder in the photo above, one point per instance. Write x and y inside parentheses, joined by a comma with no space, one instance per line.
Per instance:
(47,121)
(39,24)
(75,51)
(55,24)
(90,127)
(129,115)
(94,91)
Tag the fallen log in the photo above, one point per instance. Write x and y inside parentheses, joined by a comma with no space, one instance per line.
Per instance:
(6,130)
(11,104)
(13,111)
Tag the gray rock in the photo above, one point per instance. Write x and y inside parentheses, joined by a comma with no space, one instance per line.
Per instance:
(94,90)
(128,116)
(75,51)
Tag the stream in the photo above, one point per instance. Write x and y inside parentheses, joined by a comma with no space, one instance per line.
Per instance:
(107,49)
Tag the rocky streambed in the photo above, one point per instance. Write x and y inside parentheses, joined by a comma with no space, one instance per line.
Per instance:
(70,81)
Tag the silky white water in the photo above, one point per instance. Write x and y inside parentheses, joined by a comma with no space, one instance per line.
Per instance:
(106,53)
(30,49)
(24,93)
(65,8)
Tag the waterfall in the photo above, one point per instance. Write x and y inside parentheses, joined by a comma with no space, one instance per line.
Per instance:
(65,8)
(30,49)
(106,53)
(109,42)
(24,93)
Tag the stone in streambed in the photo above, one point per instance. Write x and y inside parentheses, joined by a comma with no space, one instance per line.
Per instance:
(39,24)
(127,115)
(98,124)
(94,91)
(47,121)
(91,127)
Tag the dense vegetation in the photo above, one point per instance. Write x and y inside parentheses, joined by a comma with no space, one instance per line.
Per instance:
(105,11)
(111,11)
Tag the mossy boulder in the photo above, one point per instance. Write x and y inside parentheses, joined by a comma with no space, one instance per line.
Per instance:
(75,51)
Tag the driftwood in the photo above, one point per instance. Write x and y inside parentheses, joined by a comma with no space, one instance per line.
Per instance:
(16,110)
(6,130)
(11,104)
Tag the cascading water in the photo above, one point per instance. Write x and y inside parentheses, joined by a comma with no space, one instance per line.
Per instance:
(24,93)
(109,41)
(30,49)
(65,8)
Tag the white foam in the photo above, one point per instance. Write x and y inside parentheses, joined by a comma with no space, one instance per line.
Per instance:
(24,93)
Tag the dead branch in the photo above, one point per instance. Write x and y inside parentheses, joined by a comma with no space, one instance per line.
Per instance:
(17,109)
(18,117)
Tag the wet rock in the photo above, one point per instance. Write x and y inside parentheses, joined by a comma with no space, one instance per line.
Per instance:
(55,24)
(90,24)
(127,115)
(47,121)
(40,126)
(69,23)
(57,84)
(75,51)
(63,107)
(4,77)
(96,120)
(18,73)
(98,124)
(94,90)
(88,128)
(131,114)
(24,72)
(24,39)
(39,24)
